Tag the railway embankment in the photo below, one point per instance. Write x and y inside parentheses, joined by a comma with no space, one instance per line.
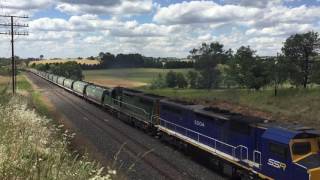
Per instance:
(34,147)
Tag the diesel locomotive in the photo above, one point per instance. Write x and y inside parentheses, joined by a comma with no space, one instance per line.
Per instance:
(247,147)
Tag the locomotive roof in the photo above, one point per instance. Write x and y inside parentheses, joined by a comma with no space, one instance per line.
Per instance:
(151,97)
(131,91)
(285,134)
(181,104)
(214,112)
(288,126)
(142,94)
(227,115)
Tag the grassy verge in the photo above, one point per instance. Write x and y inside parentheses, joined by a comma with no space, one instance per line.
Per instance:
(35,100)
(296,105)
(34,147)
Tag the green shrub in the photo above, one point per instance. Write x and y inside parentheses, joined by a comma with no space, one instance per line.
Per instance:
(181,81)
(158,83)
(171,79)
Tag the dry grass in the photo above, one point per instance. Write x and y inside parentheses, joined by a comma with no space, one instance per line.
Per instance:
(83,61)
(4,79)
(109,82)
(31,148)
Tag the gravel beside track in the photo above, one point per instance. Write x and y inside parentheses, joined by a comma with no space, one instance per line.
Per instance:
(133,152)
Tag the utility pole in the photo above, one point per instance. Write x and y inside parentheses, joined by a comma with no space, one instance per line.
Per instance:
(13,33)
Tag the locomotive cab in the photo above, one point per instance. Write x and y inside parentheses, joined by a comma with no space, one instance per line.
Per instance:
(304,151)
(291,154)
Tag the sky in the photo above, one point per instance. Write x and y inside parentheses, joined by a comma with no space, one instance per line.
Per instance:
(158,28)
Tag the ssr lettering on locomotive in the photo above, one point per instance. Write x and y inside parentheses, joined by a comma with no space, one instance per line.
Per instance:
(277,164)
(253,147)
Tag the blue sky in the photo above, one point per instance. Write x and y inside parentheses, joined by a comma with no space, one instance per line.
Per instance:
(166,28)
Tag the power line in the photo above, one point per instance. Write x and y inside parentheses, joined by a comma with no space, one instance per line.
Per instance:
(13,33)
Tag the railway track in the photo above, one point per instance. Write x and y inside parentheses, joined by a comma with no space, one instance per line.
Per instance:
(152,159)
(166,168)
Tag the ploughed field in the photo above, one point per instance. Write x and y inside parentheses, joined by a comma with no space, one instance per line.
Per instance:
(294,105)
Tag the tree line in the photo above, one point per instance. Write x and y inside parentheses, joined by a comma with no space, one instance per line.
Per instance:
(71,70)
(109,60)
(298,64)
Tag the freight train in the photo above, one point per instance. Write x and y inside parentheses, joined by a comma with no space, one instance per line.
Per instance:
(246,147)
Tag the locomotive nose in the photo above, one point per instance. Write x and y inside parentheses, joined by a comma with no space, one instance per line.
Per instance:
(314,174)
(312,164)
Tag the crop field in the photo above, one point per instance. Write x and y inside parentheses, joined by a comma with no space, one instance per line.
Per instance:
(136,77)
(83,61)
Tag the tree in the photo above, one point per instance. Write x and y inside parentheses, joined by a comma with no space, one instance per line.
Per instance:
(101,54)
(91,58)
(107,60)
(249,70)
(315,76)
(207,57)
(70,69)
(193,77)
(171,79)
(181,81)
(158,83)
(300,50)
(41,57)
(278,71)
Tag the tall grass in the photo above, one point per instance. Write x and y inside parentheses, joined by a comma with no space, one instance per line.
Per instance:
(31,148)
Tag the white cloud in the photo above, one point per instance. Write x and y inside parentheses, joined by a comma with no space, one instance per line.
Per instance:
(173,31)
(49,24)
(26,4)
(93,39)
(203,12)
(254,3)
(94,2)
(113,7)
(273,16)
(23,7)
(281,30)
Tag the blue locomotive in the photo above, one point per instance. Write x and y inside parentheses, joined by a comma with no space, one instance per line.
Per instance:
(253,148)
(268,150)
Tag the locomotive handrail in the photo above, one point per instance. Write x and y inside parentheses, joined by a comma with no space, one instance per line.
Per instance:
(254,157)
(161,119)
(233,148)
(243,147)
